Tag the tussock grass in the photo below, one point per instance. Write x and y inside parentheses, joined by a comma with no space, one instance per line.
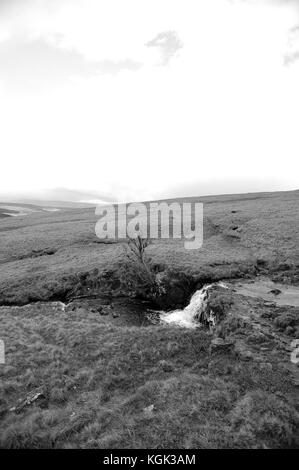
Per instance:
(121,387)
(109,386)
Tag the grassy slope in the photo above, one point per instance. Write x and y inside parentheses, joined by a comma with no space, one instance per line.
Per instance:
(115,387)
(100,378)
(268,231)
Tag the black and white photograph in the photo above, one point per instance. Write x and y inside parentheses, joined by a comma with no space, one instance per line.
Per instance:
(149,229)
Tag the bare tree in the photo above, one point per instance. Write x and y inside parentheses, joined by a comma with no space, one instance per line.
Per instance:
(137,274)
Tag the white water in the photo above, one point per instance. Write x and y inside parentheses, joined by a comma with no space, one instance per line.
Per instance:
(187,317)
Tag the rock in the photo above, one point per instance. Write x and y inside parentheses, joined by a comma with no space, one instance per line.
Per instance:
(261,262)
(243,352)
(70,307)
(105,311)
(175,289)
(34,396)
(290,330)
(275,291)
(148,411)
(246,355)
(165,366)
(220,345)
(115,315)
(268,303)
(284,267)
(257,338)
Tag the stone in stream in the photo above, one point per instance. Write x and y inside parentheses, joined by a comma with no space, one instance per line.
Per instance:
(275,291)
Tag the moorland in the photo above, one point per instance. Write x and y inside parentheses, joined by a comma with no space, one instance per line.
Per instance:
(86,368)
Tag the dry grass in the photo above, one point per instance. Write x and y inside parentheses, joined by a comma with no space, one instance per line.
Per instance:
(268,240)
(118,387)
(107,385)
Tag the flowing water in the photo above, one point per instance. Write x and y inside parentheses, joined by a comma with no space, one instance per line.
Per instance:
(188,317)
(265,289)
(270,291)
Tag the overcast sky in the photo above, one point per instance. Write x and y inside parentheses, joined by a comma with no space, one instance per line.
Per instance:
(139,99)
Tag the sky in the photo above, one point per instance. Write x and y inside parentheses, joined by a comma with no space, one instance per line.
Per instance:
(144,99)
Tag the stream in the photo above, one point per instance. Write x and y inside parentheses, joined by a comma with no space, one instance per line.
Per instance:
(265,289)
(269,291)
(188,317)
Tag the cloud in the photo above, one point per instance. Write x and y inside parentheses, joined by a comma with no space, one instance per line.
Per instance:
(10,4)
(111,67)
(293,3)
(168,42)
(289,59)
(293,46)
(7,3)
(37,63)
(227,95)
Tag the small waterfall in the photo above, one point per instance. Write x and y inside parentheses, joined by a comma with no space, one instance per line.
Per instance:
(190,316)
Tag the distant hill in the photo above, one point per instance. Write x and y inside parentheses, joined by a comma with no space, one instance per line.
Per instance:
(8,209)
(57,197)
(48,205)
